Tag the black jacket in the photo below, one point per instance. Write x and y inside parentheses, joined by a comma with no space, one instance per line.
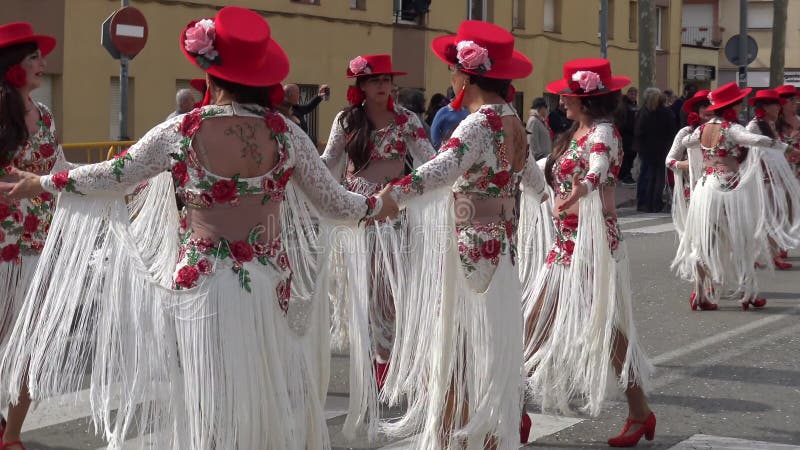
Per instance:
(653,134)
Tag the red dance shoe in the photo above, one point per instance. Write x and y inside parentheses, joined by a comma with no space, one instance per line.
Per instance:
(380,373)
(783,254)
(782,265)
(647,429)
(756,302)
(705,306)
(525,428)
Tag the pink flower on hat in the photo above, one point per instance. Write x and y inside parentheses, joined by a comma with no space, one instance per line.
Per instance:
(359,64)
(200,39)
(587,80)
(711,97)
(472,56)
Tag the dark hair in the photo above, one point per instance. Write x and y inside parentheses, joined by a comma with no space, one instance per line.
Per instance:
(539,102)
(244,94)
(412,99)
(766,130)
(781,125)
(494,85)
(597,107)
(13,130)
(434,105)
(721,111)
(357,130)
(700,104)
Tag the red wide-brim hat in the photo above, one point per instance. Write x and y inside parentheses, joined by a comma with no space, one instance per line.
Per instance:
(22,32)
(369,65)
(246,52)
(787,90)
(505,62)
(769,95)
(199,84)
(726,95)
(699,96)
(593,69)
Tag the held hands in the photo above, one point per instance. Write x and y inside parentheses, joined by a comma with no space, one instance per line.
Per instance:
(27,185)
(579,190)
(389,208)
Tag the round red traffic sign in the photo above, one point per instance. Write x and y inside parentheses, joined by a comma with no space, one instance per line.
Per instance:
(128,31)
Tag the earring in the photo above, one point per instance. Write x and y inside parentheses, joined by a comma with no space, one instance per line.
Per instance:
(456,103)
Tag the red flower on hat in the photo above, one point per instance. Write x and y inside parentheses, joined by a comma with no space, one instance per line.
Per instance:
(358,65)
(587,80)
(199,41)
(472,56)
(15,76)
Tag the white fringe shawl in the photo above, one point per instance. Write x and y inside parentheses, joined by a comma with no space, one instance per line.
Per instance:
(580,308)
(103,311)
(728,231)
(449,337)
(680,205)
(15,281)
(535,236)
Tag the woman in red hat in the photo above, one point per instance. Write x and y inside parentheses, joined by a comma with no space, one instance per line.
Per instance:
(28,142)
(768,104)
(788,124)
(687,167)
(219,309)
(578,317)
(733,215)
(369,144)
(458,344)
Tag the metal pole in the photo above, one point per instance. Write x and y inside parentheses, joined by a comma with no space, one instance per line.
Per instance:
(123,92)
(742,43)
(604,28)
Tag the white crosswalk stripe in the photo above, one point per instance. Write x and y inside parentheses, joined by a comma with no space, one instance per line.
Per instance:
(702,441)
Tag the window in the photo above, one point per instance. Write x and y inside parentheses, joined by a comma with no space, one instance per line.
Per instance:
(633,21)
(358,4)
(114,108)
(518,15)
(308,92)
(552,16)
(410,12)
(759,15)
(610,30)
(480,10)
(659,27)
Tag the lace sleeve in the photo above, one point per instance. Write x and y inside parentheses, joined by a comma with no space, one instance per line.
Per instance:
(752,127)
(677,152)
(334,150)
(533,182)
(739,135)
(600,144)
(316,181)
(417,141)
(464,148)
(142,161)
(48,121)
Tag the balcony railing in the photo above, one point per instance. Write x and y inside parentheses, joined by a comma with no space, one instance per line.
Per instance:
(708,36)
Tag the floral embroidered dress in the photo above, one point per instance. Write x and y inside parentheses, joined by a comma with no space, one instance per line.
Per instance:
(733,213)
(232,281)
(792,139)
(582,296)
(459,312)
(684,181)
(24,223)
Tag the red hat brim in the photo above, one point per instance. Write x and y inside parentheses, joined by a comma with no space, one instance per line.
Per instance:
(561,87)
(273,70)
(744,93)
(516,67)
(688,105)
(752,101)
(45,43)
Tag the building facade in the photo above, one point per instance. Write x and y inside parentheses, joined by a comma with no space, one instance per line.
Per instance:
(320,37)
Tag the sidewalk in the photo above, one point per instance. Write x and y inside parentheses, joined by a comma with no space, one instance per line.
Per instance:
(625,196)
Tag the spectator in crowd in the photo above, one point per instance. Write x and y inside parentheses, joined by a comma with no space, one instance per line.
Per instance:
(184,102)
(557,119)
(540,137)
(298,111)
(653,134)
(414,101)
(625,119)
(677,107)
(445,122)
(438,101)
(669,98)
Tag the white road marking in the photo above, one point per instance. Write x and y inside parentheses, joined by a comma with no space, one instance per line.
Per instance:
(702,441)
(653,229)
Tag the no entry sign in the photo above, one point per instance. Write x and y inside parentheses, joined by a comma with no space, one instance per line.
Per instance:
(124,32)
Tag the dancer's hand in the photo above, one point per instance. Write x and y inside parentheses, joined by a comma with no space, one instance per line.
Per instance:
(682,165)
(26,186)
(793,156)
(579,190)
(389,209)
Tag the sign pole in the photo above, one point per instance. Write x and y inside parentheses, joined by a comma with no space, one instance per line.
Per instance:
(743,56)
(123,92)
(604,28)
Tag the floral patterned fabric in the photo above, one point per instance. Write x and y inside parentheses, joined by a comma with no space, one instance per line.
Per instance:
(480,247)
(169,147)
(678,153)
(566,229)
(596,158)
(24,223)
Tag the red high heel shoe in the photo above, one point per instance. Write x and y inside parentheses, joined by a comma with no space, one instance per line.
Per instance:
(6,445)
(705,306)
(782,265)
(647,429)
(525,428)
(783,254)
(756,302)
(380,373)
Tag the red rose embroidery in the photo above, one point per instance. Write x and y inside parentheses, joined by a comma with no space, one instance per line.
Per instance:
(509,229)
(569,247)
(501,179)
(204,266)
(180,173)
(451,143)
(284,292)
(474,254)
(47,120)
(16,215)
(599,148)
(31,223)
(45,196)
(61,180)
(482,184)
(260,249)
(283,261)
(191,123)
(242,251)
(187,277)
(2,237)
(490,249)
(570,222)
(400,119)
(47,150)
(592,178)
(495,122)
(276,123)
(5,210)
(421,134)
(567,166)
(400,146)
(551,257)
(405,181)
(709,170)
(722,153)
(223,191)
(10,252)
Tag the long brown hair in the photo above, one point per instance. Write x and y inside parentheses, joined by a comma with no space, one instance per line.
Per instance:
(13,130)
(766,130)
(357,130)
(596,107)
(782,124)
